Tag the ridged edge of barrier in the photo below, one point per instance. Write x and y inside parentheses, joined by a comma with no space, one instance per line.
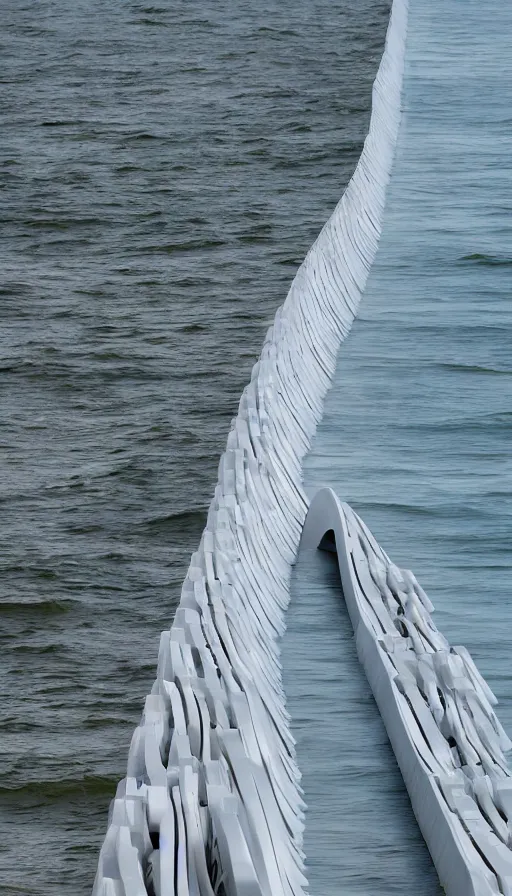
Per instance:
(211,803)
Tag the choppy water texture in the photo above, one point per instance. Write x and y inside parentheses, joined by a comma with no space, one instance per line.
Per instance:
(164,169)
(416,436)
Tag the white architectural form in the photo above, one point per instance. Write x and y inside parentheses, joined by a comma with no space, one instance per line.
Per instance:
(211,803)
(435,705)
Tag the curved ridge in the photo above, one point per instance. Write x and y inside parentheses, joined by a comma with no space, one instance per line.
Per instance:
(435,705)
(211,803)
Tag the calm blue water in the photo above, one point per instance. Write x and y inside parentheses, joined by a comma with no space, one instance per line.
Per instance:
(416,436)
(164,168)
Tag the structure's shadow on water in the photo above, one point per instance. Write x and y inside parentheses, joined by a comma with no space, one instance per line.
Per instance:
(361,835)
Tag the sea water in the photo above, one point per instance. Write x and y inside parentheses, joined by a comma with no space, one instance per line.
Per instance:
(416,435)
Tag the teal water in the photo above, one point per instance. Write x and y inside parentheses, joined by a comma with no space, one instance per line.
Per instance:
(416,436)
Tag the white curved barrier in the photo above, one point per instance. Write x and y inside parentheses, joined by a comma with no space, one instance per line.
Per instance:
(211,803)
(435,705)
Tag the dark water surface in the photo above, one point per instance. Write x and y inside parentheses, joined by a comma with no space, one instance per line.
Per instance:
(164,169)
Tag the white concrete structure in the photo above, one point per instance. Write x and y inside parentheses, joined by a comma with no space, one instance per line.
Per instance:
(211,803)
(435,705)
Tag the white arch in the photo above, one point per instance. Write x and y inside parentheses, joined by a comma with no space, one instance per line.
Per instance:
(435,705)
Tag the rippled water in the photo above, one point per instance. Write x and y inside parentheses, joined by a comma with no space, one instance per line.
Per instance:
(164,169)
(416,436)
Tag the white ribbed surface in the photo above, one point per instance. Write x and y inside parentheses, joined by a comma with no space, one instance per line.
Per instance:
(212,802)
(435,705)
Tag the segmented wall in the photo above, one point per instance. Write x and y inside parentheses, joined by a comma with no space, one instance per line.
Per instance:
(211,802)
